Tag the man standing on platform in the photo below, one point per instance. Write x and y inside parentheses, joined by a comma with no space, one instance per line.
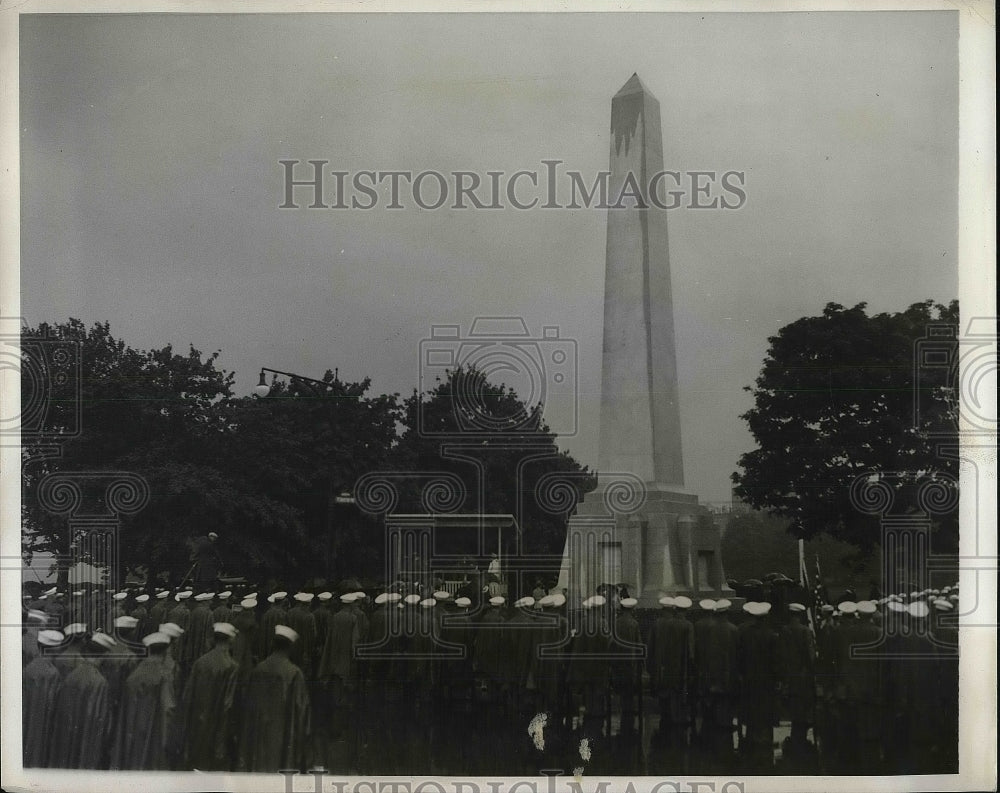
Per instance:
(205,556)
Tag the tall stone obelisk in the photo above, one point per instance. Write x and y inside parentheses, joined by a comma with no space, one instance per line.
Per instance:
(657,541)
(640,415)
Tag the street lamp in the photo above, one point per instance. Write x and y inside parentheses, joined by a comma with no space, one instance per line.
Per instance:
(262,389)
(320,388)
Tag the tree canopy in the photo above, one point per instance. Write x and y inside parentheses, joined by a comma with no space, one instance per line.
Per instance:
(839,396)
(266,472)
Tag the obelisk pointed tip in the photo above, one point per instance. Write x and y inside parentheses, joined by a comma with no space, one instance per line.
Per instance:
(632,86)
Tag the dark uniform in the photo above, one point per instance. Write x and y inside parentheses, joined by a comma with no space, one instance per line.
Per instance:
(715,675)
(669,657)
(759,670)
(798,654)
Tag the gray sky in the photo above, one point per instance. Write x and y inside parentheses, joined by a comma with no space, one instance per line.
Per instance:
(151,184)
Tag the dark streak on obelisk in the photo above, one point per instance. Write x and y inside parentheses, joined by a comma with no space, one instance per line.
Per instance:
(640,415)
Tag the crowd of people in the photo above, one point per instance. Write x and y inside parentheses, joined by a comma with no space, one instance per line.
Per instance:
(409,682)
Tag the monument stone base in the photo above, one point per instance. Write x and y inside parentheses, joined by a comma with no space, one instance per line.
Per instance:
(669,545)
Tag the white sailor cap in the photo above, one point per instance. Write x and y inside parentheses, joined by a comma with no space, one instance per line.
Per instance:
(558,599)
(34,615)
(50,638)
(668,602)
(163,593)
(203,596)
(707,604)
(797,607)
(682,602)
(126,622)
(350,597)
(225,628)
(412,599)
(141,598)
(248,603)
(157,637)
(225,595)
(78,593)
(499,600)
(847,607)
(428,603)
(288,633)
(525,602)
(381,598)
(442,594)
(942,604)
(463,602)
(324,596)
(250,595)
(102,639)
(171,629)
(274,597)
(75,628)
(393,597)
(628,603)
(918,609)
(304,597)
(723,605)
(867,607)
(895,605)
(184,594)
(359,595)
(119,595)
(758,609)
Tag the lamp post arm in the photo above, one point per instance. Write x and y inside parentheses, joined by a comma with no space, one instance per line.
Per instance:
(310,381)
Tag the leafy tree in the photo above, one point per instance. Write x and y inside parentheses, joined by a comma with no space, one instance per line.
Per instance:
(153,413)
(755,544)
(498,447)
(261,472)
(835,399)
(302,446)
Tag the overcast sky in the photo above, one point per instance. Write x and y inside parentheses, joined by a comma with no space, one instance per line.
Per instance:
(151,184)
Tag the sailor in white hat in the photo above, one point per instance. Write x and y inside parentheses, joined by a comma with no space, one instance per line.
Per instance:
(626,673)
(670,653)
(276,686)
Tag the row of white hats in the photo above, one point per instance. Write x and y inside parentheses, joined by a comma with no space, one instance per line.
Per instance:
(307,597)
